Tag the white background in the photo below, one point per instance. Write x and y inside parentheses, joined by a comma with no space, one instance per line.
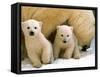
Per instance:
(5,38)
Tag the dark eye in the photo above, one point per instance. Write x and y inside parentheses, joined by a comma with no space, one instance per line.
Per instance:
(67,35)
(35,27)
(28,27)
(61,35)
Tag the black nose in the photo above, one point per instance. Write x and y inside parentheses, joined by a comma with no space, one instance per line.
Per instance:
(31,33)
(64,41)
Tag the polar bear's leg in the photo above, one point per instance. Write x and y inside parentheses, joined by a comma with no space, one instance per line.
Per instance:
(35,60)
(56,52)
(68,53)
(76,53)
(52,57)
(47,55)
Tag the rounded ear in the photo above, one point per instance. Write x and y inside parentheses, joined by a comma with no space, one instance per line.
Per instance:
(41,23)
(58,27)
(71,28)
(22,23)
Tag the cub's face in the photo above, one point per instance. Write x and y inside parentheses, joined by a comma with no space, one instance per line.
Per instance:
(31,28)
(64,33)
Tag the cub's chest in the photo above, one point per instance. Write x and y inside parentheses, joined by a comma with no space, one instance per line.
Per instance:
(64,45)
(34,45)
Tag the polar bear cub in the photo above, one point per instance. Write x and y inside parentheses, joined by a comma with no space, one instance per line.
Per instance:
(65,43)
(39,49)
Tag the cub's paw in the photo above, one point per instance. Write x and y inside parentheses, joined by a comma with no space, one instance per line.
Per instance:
(46,61)
(37,65)
(66,56)
(76,56)
(52,60)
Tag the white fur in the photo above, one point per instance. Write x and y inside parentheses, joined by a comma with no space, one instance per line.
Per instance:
(39,49)
(65,33)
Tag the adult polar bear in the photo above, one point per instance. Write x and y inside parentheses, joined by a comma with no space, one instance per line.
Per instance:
(83,21)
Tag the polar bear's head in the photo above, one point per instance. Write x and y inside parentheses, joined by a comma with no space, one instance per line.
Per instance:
(64,33)
(31,27)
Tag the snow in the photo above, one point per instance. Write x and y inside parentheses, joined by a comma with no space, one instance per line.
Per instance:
(87,60)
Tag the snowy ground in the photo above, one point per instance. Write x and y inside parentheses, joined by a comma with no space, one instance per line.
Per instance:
(87,59)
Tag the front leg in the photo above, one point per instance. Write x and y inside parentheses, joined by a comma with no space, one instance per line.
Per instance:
(34,58)
(68,53)
(56,52)
(76,53)
(47,55)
